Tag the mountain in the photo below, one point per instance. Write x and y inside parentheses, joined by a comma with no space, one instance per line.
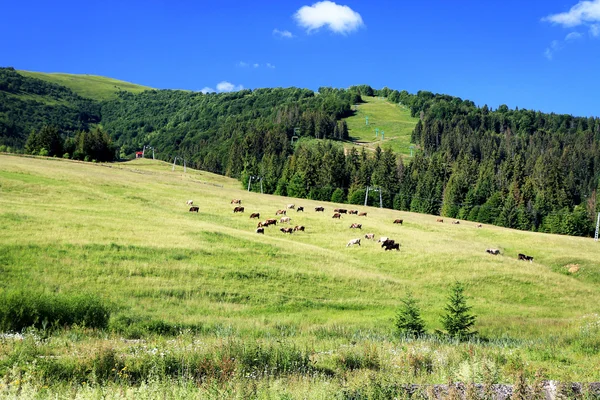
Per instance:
(514,168)
(93,87)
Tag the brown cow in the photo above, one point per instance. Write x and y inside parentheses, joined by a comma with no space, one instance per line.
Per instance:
(356,226)
(440,220)
(236,201)
(238,209)
(270,222)
(290,206)
(255,215)
(260,230)
(370,236)
(343,211)
(479,226)
(337,215)
(362,214)
(353,212)
(286,230)
(300,208)
(194,209)
(299,228)
(319,209)
(398,221)
(278,212)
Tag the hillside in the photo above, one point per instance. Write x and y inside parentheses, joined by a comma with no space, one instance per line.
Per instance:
(94,87)
(123,232)
(393,119)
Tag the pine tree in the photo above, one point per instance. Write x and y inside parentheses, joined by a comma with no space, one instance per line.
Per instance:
(408,320)
(458,320)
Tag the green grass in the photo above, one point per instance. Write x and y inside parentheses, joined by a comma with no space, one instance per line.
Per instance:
(393,119)
(90,86)
(122,232)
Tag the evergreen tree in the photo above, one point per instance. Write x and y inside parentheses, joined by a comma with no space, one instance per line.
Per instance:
(408,319)
(458,320)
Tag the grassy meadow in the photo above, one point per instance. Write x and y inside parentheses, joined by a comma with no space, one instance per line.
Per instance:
(393,119)
(200,299)
(90,86)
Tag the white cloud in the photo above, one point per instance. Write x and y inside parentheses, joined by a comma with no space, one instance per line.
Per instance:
(283,34)
(573,36)
(338,18)
(207,90)
(242,64)
(225,86)
(595,30)
(555,46)
(256,65)
(587,11)
(269,65)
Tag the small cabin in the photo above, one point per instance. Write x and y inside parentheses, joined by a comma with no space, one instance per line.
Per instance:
(139,154)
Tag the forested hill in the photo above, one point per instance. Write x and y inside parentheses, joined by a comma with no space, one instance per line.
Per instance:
(515,168)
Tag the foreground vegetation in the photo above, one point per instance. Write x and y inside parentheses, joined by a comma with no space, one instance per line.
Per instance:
(200,305)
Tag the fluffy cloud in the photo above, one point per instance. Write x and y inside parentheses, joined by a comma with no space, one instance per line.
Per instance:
(573,36)
(339,19)
(225,86)
(207,90)
(584,12)
(283,34)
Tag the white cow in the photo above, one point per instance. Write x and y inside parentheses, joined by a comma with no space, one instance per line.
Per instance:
(382,239)
(291,206)
(353,241)
(190,202)
(285,219)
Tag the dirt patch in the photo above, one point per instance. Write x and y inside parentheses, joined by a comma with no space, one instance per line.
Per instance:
(572,268)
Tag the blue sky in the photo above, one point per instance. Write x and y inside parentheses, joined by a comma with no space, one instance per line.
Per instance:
(541,55)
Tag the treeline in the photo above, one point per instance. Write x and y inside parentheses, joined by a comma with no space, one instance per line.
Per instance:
(28,104)
(95,145)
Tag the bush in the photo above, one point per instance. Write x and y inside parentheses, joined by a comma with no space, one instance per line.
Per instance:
(24,309)
(66,155)
(408,320)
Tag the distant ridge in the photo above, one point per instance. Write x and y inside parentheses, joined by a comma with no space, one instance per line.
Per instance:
(90,86)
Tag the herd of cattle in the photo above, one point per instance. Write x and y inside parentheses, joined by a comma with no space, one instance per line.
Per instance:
(386,242)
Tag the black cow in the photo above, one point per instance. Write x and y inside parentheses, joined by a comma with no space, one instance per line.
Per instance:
(194,209)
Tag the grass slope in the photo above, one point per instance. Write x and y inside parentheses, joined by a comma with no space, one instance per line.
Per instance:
(90,86)
(393,119)
(123,231)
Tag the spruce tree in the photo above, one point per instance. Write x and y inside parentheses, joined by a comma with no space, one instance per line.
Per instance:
(458,320)
(408,319)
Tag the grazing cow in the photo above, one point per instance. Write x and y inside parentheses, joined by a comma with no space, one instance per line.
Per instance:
(362,214)
(525,258)
(343,211)
(285,219)
(479,226)
(291,206)
(440,220)
(255,215)
(300,208)
(299,228)
(236,201)
(370,236)
(319,209)
(286,230)
(356,226)
(190,202)
(393,246)
(398,221)
(494,252)
(337,215)
(455,222)
(387,243)
(260,230)
(270,222)
(238,209)
(261,224)
(353,241)
(353,212)
(278,212)
(382,239)
(194,209)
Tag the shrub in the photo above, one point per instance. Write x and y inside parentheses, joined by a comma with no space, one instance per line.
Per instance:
(408,320)
(23,309)
(66,155)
